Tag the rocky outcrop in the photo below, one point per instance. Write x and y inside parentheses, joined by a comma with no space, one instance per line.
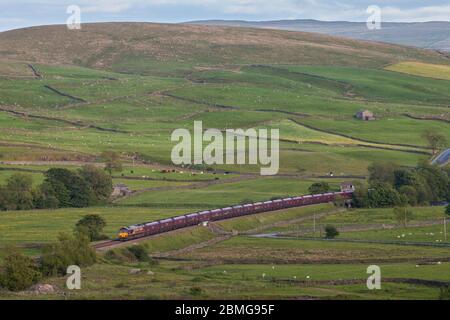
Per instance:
(42,288)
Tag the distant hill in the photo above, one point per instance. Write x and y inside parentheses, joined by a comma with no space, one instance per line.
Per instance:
(429,35)
(143,47)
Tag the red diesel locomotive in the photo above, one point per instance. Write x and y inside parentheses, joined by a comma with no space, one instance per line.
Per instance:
(192,219)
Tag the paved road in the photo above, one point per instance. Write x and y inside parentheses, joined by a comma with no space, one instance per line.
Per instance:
(443,158)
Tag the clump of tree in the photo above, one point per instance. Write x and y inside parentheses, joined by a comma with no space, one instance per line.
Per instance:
(331,232)
(447,210)
(61,188)
(68,187)
(19,271)
(82,188)
(390,186)
(92,226)
(17,193)
(319,187)
(382,195)
(68,250)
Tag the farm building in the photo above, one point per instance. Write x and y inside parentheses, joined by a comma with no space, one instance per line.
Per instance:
(120,190)
(365,115)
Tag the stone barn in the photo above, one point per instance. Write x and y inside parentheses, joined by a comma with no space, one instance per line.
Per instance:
(120,190)
(365,115)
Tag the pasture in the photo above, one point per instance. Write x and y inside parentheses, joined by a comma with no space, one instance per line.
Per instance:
(422,69)
(173,280)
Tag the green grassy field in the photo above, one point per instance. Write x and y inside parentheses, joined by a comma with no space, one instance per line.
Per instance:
(214,196)
(267,250)
(326,272)
(426,225)
(432,234)
(384,215)
(28,227)
(422,69)
(172,281)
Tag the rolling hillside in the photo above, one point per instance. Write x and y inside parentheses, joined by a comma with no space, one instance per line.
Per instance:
(431,35)
(155,78)
(146,47)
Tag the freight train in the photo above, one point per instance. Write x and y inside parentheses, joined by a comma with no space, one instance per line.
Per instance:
(192,219)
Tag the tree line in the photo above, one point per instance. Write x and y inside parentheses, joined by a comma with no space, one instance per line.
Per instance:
(61,188)
(390,185)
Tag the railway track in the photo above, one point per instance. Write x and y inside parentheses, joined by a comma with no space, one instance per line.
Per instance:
(105,244)
(109,244)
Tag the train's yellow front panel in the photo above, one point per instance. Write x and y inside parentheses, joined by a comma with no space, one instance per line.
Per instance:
(123,235)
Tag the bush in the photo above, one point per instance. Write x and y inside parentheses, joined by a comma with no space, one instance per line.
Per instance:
(319,187)
(68,250)
(447,209)
(91,225)
(331,232)
(19,272)
(139,252)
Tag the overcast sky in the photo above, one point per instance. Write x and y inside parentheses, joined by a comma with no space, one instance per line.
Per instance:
(22,13)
